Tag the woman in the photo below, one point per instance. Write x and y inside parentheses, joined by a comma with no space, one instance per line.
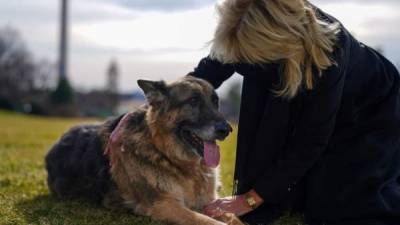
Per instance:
(319,121)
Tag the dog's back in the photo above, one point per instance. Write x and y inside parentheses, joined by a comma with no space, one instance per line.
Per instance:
(76,165)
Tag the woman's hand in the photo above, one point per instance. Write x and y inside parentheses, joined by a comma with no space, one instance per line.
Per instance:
(235,204)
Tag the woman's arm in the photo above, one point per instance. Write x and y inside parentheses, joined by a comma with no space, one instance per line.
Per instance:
(314,127)
(213,71)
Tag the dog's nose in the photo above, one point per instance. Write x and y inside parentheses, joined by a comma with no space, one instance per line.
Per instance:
(222,129)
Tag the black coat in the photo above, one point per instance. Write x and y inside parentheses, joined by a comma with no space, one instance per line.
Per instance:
(335,150)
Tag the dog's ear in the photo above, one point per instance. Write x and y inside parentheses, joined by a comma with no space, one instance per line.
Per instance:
(155,91)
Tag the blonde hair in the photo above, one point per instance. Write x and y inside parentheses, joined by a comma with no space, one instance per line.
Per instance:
(286,31)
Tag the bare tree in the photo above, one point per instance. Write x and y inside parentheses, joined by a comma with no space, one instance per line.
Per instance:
(16,66)
(23,81)
(45,75)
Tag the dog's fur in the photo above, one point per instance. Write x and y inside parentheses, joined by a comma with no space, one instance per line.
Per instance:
(153,171)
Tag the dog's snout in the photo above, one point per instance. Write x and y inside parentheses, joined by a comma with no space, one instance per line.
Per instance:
(222,129)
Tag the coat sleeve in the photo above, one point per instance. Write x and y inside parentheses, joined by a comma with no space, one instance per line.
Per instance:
(213,71)
(313,129)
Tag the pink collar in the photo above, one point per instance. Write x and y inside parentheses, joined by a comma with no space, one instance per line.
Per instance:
(114,142)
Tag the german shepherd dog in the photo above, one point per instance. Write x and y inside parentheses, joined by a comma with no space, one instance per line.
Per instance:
(158,161)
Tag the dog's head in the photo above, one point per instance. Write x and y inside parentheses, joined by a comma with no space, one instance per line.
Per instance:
(188,109)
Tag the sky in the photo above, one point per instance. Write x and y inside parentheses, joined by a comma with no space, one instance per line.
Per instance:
(163,39)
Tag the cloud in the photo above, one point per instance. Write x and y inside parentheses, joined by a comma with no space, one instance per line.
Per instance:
(99,10)
(163,38)
(27,11)
(164,5)
(373,22)
(359,1)
(168,5)
(30,12)
(384,32)
(183,30)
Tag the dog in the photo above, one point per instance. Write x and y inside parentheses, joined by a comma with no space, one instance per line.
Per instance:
(158,161)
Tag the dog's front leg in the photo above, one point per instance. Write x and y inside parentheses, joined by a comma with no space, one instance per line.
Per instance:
(171,210)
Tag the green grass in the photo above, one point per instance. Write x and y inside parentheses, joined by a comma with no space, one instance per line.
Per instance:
(24,197)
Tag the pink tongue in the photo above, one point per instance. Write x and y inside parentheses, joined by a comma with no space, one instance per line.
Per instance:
(211,154)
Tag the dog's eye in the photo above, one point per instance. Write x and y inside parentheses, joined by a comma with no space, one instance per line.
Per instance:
(194,101)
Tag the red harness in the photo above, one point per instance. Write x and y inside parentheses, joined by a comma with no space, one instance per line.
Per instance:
(114,142)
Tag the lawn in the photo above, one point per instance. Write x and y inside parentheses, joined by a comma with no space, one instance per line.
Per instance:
(24,197)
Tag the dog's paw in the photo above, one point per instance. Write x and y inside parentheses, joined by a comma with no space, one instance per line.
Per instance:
(230,219)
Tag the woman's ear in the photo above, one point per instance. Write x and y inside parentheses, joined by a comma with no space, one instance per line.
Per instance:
(155,91)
